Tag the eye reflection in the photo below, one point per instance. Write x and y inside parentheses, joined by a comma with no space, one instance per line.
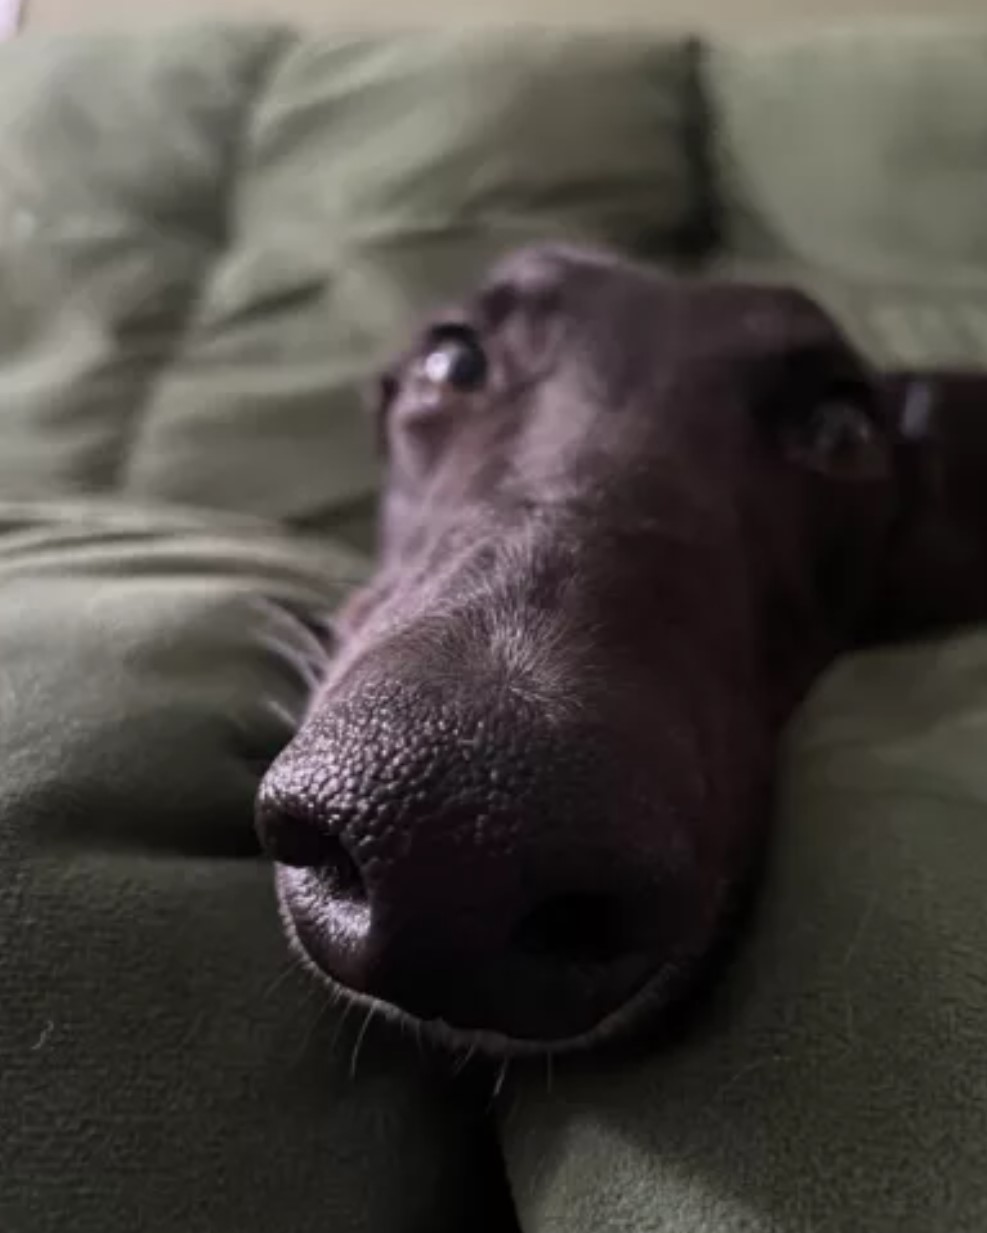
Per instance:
(455,359)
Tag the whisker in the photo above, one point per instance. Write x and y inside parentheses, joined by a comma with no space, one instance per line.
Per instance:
(289,970)
(464,1061)
(499,1083)
(372,1010)
(313,1027)
(348,1005)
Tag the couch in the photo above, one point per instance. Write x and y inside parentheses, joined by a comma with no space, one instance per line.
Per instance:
(209,236)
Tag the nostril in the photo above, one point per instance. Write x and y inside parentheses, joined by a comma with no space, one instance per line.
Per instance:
(343,896)
(331,889)
(296,839)
(290,838)
(341,873)
(573,929)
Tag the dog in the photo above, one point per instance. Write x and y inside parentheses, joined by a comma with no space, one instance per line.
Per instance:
(628,520)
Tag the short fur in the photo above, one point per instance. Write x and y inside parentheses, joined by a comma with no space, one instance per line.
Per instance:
(542,761)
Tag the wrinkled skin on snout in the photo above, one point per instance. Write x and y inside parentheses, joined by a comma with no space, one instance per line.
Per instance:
(627,521)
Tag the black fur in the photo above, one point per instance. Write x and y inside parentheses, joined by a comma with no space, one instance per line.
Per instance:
(618,544)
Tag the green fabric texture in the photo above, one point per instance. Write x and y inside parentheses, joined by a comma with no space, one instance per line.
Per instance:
(195,310)
(854,165)
(207,240)
(163,1064)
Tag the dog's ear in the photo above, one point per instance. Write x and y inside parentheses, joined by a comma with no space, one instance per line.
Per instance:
(934,574)
(922,401)
(912,403)
(940,422)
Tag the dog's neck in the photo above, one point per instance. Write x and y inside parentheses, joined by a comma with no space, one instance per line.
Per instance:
(937,570)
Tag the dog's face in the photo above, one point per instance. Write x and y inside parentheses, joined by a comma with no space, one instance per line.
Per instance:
(626,522)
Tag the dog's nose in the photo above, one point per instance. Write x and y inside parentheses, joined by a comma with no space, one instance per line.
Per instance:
(460,868)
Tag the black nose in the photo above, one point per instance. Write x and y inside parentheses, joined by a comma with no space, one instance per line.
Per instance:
(460,867)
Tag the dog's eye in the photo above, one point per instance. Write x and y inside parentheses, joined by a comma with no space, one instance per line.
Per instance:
(838,436)
(837,429)
(454,358)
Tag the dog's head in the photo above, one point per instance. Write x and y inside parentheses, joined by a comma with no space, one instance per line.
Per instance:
(627,520)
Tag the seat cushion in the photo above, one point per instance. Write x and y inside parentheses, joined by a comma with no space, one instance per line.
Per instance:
(213,236)
(164,1063)
(852,162)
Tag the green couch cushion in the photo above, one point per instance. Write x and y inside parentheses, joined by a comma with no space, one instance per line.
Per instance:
(116,161)
(164,1065)
(853,161)
(198,306)
(207,238)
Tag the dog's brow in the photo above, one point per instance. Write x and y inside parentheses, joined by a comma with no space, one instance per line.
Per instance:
(510,295)
(496,303)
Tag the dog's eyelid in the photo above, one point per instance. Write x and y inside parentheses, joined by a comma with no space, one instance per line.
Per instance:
(815,376)
(851,394)
(825,368)
(449,329)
